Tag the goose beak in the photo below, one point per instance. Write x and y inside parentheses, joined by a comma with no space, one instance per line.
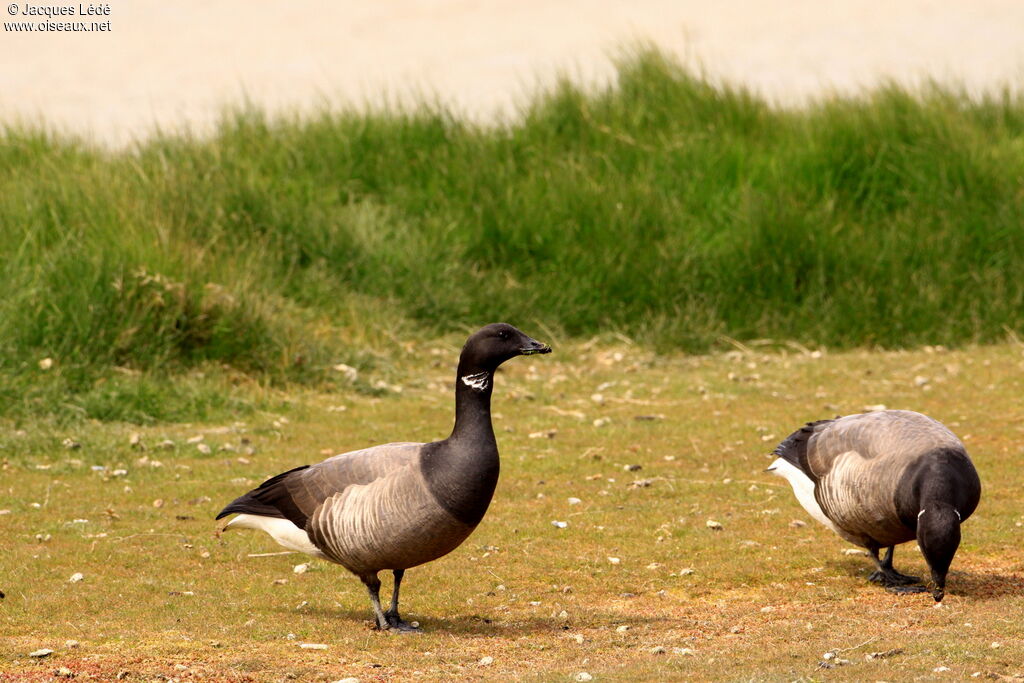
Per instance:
(533,346)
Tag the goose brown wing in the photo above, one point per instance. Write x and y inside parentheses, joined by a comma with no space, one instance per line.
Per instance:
(295,495)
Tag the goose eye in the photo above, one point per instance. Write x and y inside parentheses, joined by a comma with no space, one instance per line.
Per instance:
(503,334)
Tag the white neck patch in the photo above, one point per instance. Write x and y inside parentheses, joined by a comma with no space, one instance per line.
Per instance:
(479,381)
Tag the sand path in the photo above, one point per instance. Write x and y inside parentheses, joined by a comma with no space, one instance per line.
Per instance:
(177,63)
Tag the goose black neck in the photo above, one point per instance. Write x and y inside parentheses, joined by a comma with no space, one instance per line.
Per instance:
(473,386)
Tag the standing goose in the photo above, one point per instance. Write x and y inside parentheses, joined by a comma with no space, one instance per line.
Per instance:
(397,505)
(883,478)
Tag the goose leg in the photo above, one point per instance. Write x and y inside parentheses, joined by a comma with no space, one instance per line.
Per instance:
(395,621)
(894,581)
(373,588)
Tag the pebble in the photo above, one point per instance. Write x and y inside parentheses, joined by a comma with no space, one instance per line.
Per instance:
(687,571)
(622,629)
(545,434)
(654,565)
(203,448)
(689,652)
(941,669)
(71,444)
(712,524)
(45,363)
(195,439)
(855,551)
(797,523)
(583,677)
(158,503)
(70,643)
(65,672)
(657,650)
(767,609)
(486,661)
(347,371)
(602,421)
(614,560)
(574,501)
(559,525)
(312,646)
(564,615)
(301,568)
(632,468)
(76,577)
(166,444)
(43,652)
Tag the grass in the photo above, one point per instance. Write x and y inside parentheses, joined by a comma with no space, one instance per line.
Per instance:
(666,208)
(765,599)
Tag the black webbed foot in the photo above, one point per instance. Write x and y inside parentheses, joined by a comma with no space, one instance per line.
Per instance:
(892,578)
(395,624)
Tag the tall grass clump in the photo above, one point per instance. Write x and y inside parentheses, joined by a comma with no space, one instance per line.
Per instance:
(665,207)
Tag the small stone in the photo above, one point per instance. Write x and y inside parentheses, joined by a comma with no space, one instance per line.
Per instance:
(995,645)
(712,524)
(301,568)
(158,503)
(736,629)
(180,667)
(64,672)
(71,444)
(347,371)
(135,440)
(559,525)
(486,661)
(166,444)
(583,677)
(657,650)
(40,653)
(686,651)
(828,656)
(70,643)
(622,629)
(45,363)
(654,565)
(614,560)
(602,421)
(563,615)
(76,577)
(195,439)
(941,669)
(312,646)
(854,551)
(545,434)
(204,448)
(578,638)
(280,582)
(797,523)
(687,571)
(632,468)
(767,608)
(574,501)
(921,381)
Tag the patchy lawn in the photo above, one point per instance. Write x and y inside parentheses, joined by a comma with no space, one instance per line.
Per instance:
(763,598)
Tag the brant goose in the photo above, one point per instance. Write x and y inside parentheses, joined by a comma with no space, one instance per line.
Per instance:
(883,478)
(398,505)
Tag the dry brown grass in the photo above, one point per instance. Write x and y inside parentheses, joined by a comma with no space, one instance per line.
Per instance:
(765,599)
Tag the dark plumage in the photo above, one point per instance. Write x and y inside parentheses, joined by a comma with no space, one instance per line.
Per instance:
(398,505)
(883,478)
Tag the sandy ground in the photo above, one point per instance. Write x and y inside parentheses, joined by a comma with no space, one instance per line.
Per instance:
(173,64)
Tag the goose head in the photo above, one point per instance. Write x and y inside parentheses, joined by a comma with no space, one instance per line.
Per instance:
(493,344)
